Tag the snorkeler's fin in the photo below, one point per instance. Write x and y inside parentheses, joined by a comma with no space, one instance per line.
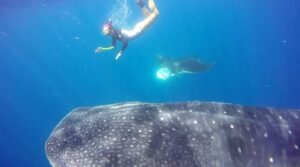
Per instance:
(140,3)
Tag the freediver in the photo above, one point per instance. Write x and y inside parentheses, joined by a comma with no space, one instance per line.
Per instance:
(170,67)
(123,35)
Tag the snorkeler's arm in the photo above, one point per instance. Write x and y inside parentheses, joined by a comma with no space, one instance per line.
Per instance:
(125,44)
(101,49)
(107,48)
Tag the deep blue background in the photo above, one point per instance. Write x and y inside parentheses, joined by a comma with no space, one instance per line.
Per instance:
(48,66)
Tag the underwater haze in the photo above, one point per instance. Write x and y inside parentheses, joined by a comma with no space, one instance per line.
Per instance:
(48,65)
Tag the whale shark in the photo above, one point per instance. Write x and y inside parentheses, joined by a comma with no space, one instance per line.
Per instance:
(181,134)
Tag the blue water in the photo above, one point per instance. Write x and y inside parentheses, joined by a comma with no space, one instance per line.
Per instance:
(48,66)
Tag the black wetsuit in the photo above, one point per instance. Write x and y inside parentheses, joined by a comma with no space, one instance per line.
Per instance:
(117,35)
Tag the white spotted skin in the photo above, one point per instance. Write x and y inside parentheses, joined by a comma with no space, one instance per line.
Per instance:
(190,134)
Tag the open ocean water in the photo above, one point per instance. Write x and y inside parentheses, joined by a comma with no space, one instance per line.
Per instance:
(48,65)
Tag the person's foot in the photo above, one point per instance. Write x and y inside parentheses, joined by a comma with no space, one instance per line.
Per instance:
(140,3)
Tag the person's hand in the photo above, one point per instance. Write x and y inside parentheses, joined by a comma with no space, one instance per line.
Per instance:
(99,50)
(118,55)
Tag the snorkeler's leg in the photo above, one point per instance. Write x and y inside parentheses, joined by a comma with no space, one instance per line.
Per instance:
(148,21)
(151,18)
(152,6)
(141,26)
(146,11)
(140,3)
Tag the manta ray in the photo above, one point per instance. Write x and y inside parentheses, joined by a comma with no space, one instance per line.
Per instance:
(184,134)
(170,66)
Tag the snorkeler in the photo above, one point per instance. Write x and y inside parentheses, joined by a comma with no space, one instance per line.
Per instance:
(126,35)
(170,67)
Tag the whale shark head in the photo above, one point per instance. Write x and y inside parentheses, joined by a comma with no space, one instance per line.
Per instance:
(187,134)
